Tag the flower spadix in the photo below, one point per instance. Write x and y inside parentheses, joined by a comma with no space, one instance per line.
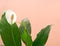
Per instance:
(10,16)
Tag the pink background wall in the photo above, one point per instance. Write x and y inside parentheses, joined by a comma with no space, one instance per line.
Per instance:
(40,14)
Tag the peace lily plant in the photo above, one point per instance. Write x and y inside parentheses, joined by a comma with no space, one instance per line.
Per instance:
(12,35)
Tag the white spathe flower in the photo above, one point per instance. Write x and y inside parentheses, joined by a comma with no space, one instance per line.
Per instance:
(10,16)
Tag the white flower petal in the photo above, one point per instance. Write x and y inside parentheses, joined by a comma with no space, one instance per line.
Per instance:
(10,16)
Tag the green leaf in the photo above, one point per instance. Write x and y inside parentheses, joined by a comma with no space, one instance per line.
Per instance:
(25,36)
(9,33)
(42,36)
(16,34)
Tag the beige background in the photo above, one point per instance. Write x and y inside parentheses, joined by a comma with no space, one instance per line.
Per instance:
(40,13)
